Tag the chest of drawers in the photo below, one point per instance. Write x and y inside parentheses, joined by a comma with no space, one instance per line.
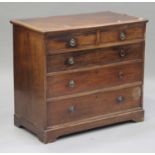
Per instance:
(78,72)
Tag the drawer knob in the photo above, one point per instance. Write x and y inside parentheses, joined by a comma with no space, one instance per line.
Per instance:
(120,99)
(72,42)
(120,74)
(71,84)
(122,36)
(71,109)
(70,61)
(122,53)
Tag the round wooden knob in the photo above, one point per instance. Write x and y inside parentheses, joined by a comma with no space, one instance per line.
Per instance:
(122,36)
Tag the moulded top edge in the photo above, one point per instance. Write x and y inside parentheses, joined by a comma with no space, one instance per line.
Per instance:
(72,22)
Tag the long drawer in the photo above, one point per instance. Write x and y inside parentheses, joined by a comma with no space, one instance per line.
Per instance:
(102,103)
(87,80)
(74,60)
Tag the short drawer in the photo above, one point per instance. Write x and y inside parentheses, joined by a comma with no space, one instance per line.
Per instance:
(122,33)
(70,41)
(74,60)
(98,78)
(101,103)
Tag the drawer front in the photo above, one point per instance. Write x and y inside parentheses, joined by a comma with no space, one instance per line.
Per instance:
(81,81)
(71,41)
(74,60)
(122,33)
(77,108)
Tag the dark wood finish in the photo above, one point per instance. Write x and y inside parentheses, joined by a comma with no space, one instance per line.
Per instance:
(132,31)
(58,85)
(81,21)
(29,76)
(89,58)
(87,106)
(62,42)
(84,39)
(74,73)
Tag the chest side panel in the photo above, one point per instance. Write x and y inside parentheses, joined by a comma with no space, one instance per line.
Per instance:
(29,76)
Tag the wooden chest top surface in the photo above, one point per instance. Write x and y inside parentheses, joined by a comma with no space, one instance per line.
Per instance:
(80,21)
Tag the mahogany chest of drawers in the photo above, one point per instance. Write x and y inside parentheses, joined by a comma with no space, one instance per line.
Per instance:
(78,72)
